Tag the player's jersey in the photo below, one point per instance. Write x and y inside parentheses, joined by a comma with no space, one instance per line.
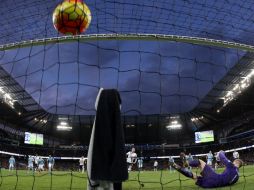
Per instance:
(131,157)
(171,160)
(183,159)
(189,158)
(51,160)
(210,157)
(155,164)
(81,161)
(210,179)
(235,155)
(36,159)
(12,161)
(41,162)
(128,157)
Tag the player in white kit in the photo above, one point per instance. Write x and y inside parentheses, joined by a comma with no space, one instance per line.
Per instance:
(155,165)
(236,155)
(82,164)
(131,158)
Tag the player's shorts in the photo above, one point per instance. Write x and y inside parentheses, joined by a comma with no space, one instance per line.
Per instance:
(129,160)
(140,165)
(30,165)
(50,165)
(81,167)
(11,165)
(41,167)
(208,178)
(209,162)
(185,163)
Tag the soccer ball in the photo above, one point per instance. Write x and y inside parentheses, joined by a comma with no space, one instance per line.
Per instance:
(71,17)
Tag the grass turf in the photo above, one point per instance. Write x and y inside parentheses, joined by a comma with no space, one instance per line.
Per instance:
(77,181)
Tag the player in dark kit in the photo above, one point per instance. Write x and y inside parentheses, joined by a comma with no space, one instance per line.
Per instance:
(208,178)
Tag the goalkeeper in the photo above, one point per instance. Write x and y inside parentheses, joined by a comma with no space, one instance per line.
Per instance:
(210,179)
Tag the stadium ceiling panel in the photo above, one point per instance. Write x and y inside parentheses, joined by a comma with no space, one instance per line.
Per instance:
(224,20)
(230,82)
(154,77)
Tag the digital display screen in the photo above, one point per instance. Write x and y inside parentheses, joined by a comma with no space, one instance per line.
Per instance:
(204,136)
(33,138)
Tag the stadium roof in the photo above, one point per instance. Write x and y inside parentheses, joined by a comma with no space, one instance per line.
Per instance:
(154,77)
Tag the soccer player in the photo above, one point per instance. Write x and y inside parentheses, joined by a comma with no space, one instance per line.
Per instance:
(189,158)
(36,159)
(209,158)
(208,177)
(140,164)
(82,164)
(51,162)
(183,160)
(11,163)
(30,164)
(155,165)
(236,155)
(171,160)
(131,158)
(217,163)
(40,164)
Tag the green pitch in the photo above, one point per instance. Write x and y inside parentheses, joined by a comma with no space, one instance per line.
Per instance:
(77,181)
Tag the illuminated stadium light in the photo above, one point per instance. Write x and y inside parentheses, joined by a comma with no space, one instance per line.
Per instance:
(43,121)
(238,88)
(174,125)
(194,119)
(130,125)
(38,120)
(7,98)
(64,128)
(63,124)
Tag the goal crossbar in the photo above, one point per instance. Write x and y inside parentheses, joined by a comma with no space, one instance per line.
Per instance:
(147,37)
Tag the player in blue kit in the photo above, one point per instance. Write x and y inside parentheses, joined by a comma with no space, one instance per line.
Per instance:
(189,159)
(40,164)
(209,158)
(140,164)
(208,177)
(51,162)
(30,165)
(11,163)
